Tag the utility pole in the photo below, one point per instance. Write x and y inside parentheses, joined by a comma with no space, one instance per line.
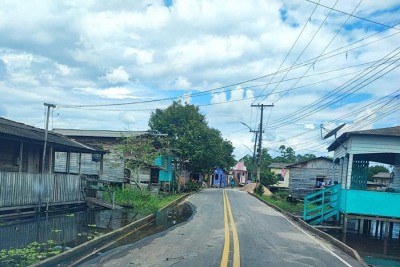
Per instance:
(258,179)
(44,150)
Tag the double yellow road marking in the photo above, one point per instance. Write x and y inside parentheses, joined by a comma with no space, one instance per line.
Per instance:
(231,223)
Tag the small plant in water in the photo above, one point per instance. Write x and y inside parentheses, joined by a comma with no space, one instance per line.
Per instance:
(28,255)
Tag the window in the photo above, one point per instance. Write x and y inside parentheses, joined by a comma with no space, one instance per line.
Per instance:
(216,176)
(280,177)
(60,162)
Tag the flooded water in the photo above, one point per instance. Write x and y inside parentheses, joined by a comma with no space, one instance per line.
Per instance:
(66,229)
(74,228)
(375,247)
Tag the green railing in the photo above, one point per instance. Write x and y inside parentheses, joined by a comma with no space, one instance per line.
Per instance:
(322,205)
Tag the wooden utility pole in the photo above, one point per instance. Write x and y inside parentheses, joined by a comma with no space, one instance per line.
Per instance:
(44,151)
(258,179)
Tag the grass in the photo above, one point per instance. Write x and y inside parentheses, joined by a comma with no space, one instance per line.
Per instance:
(144,203)
(283,204)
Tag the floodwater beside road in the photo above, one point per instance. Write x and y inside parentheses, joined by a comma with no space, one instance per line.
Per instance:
(71,229)
(375,250)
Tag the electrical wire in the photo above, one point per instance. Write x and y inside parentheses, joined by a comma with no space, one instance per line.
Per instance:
(292,117)
(290,50)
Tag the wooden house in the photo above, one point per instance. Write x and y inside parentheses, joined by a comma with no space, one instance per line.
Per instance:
(114,169)
(26,181)
(282,173)
(307,176)
(382,178)
(352,152)
(239,174)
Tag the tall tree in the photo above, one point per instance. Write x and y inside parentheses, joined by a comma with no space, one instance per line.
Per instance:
(202,147)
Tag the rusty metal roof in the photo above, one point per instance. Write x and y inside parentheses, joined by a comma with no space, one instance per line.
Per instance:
(390,131)
(19,131)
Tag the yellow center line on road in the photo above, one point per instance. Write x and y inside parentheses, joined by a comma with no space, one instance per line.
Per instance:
(236,250)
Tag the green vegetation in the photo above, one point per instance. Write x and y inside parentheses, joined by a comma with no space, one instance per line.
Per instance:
(280,200)
(142,202)
(197,146)
(372,170)
(32,253)
(259,190)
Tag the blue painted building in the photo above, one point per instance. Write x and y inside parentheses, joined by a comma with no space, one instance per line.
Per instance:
(166,173)
(219,178)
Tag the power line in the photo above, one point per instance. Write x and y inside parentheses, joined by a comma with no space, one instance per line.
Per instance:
(304,49)
(300,113)
(290,50)
(299,65)
(354,16)
(326,47)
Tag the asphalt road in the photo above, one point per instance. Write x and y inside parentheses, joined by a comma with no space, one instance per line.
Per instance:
(236,230)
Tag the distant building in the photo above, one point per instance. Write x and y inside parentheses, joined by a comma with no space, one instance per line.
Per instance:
(282,173)
(239,173)
(382,178)
(305,177)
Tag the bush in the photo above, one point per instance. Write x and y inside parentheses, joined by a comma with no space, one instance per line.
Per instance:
(193,186)
(259,190)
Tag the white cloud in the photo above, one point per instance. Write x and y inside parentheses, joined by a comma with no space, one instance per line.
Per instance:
(70,52)
(118,75)
(112,93)
(181,83)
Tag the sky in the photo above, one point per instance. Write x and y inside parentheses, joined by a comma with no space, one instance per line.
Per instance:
(107,65)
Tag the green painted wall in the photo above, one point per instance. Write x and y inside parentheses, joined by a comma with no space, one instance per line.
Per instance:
(165,162)
(370,203)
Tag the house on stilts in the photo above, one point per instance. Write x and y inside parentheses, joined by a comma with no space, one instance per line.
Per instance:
(31,180)
(350,198)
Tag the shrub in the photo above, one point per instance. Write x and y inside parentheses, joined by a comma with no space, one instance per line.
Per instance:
(259,190)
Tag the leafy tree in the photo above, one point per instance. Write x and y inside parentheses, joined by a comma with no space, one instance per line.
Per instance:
(139,152)
(305,157)
(372,170)
(202,147)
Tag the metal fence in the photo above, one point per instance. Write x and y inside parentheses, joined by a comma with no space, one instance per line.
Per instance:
(25,189)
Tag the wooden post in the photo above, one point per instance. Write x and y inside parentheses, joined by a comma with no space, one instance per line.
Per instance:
(21,147)
(344,223)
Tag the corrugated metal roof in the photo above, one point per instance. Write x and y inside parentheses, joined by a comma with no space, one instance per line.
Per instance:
(13,128)
(279,165)
(390,131)
(99,133)
(304,161)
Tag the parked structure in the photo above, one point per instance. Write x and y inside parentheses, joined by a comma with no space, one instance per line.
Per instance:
(282,173)
(23,184)
(239,174)
(352,152)
(308,176)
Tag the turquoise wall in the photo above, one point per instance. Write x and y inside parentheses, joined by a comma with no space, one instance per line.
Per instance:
(370,203)
(166,174)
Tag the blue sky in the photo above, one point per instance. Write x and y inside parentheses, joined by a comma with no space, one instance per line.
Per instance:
(236,53)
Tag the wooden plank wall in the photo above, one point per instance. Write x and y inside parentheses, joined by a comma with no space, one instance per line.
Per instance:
(23,189)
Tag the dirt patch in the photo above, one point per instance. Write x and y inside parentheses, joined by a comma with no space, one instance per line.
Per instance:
(250,188)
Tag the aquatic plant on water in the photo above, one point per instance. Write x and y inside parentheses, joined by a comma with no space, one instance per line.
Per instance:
(34,252)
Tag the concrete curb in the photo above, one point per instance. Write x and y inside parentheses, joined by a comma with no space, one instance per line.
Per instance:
(352,252)
(100,241)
